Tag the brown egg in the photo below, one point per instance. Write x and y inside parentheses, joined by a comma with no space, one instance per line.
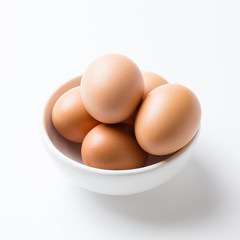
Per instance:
(112,147)
(151,81)
(70,117)
(168,119)
(112,87)
(130,121)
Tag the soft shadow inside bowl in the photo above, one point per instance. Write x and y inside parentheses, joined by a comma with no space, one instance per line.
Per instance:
(68,148)
(152,159)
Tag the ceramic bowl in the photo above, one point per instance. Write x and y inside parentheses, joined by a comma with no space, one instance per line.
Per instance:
(67,157)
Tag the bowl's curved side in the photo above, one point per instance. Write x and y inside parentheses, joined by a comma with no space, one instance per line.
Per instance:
(121,184)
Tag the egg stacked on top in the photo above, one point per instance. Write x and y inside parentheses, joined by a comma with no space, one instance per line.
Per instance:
(120,114)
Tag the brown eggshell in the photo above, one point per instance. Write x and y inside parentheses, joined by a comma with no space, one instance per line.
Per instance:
(112,87)
(130,121)
(70,117)
(168,119)
(112,147)
(151,81)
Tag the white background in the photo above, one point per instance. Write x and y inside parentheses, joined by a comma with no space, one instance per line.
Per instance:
(45,43)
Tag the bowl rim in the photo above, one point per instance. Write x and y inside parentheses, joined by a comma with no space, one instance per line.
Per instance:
(48,143)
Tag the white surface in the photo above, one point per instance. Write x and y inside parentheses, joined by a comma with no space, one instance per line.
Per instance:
(45,43)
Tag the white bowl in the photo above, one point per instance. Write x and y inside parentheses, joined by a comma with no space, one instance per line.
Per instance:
(67,156)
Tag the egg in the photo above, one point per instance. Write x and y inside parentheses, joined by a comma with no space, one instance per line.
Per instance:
(70,117)
(151,81)
(167,119)
(112,147)
(112,87)
(130,121)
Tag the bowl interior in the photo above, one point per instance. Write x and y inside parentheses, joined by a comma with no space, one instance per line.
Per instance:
(70,149)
